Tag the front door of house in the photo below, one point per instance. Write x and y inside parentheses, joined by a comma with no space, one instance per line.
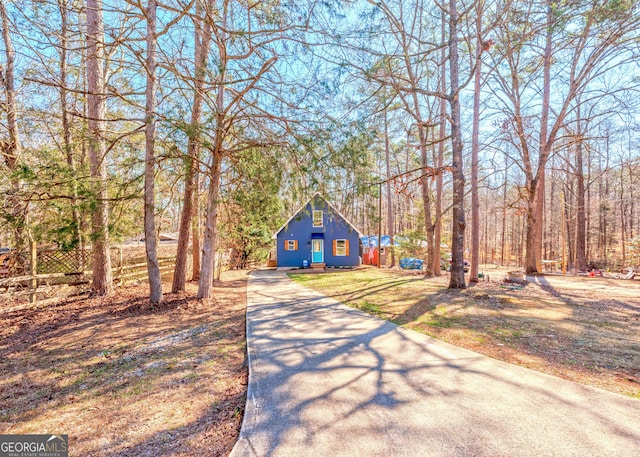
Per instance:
(317,251)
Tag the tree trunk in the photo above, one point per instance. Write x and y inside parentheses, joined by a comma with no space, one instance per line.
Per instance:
(211,219)
(504,212)
(581,222)
(569,234)
(421,125)
(426,202)
(588,211)
(182,252)
(520,246)
(551,223)
(150,236)
(475,200)
(602,221)
(605,232)
(209,242)
(102,279)
(202,43)
(456,280)
(533,259)
(437,231)
(12,149)
(623,221)
(530,238)
(195,229)
(66,134)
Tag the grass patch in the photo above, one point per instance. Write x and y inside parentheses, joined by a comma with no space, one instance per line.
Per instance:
(371,308)
(443,321)
(570,327)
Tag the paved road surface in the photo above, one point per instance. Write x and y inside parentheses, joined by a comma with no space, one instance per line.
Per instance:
(328,380)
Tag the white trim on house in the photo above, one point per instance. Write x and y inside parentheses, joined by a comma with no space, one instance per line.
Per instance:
(317,215)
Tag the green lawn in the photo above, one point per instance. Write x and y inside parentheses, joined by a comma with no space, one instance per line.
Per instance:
(378,292)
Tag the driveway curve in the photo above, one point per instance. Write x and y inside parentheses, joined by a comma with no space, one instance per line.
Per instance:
(329,380)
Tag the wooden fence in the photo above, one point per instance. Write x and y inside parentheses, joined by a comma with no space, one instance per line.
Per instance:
(54,269)
(57,261)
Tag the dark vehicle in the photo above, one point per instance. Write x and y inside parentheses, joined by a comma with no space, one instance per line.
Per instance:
(467,265)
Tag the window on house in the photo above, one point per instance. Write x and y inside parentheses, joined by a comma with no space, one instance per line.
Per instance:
(317,218)
(290,245)
(341,248)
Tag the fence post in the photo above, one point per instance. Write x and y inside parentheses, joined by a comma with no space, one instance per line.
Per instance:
(120,262)
(33,296)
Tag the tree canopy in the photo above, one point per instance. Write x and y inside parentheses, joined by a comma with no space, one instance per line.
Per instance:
(217,118)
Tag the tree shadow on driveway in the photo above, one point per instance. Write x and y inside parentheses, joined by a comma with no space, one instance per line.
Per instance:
(326,379)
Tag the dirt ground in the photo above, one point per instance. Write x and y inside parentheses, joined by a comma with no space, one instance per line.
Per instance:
(124,378)
(578,328)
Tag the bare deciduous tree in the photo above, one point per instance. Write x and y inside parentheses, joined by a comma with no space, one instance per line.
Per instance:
(205,11)
(456,280)
(570,61)
(12,147)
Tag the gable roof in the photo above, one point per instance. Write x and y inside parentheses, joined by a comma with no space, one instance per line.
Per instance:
(318,195)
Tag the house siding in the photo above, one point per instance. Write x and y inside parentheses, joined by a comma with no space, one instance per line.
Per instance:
(300,228)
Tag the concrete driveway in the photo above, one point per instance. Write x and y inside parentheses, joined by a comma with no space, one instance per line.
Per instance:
(328,380)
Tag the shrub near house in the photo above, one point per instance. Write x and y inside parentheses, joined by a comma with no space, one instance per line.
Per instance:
(317,234)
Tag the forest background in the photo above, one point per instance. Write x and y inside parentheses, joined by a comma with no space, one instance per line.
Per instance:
(503,130)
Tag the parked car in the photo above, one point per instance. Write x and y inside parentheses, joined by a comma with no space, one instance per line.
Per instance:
(467,265)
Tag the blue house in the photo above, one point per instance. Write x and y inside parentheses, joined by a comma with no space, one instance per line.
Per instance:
(317,236)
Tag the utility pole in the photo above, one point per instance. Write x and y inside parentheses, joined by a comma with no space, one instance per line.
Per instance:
(564,263)
(390,228)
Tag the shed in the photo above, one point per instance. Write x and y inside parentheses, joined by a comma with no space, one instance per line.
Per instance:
(317,235)
(372,249)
